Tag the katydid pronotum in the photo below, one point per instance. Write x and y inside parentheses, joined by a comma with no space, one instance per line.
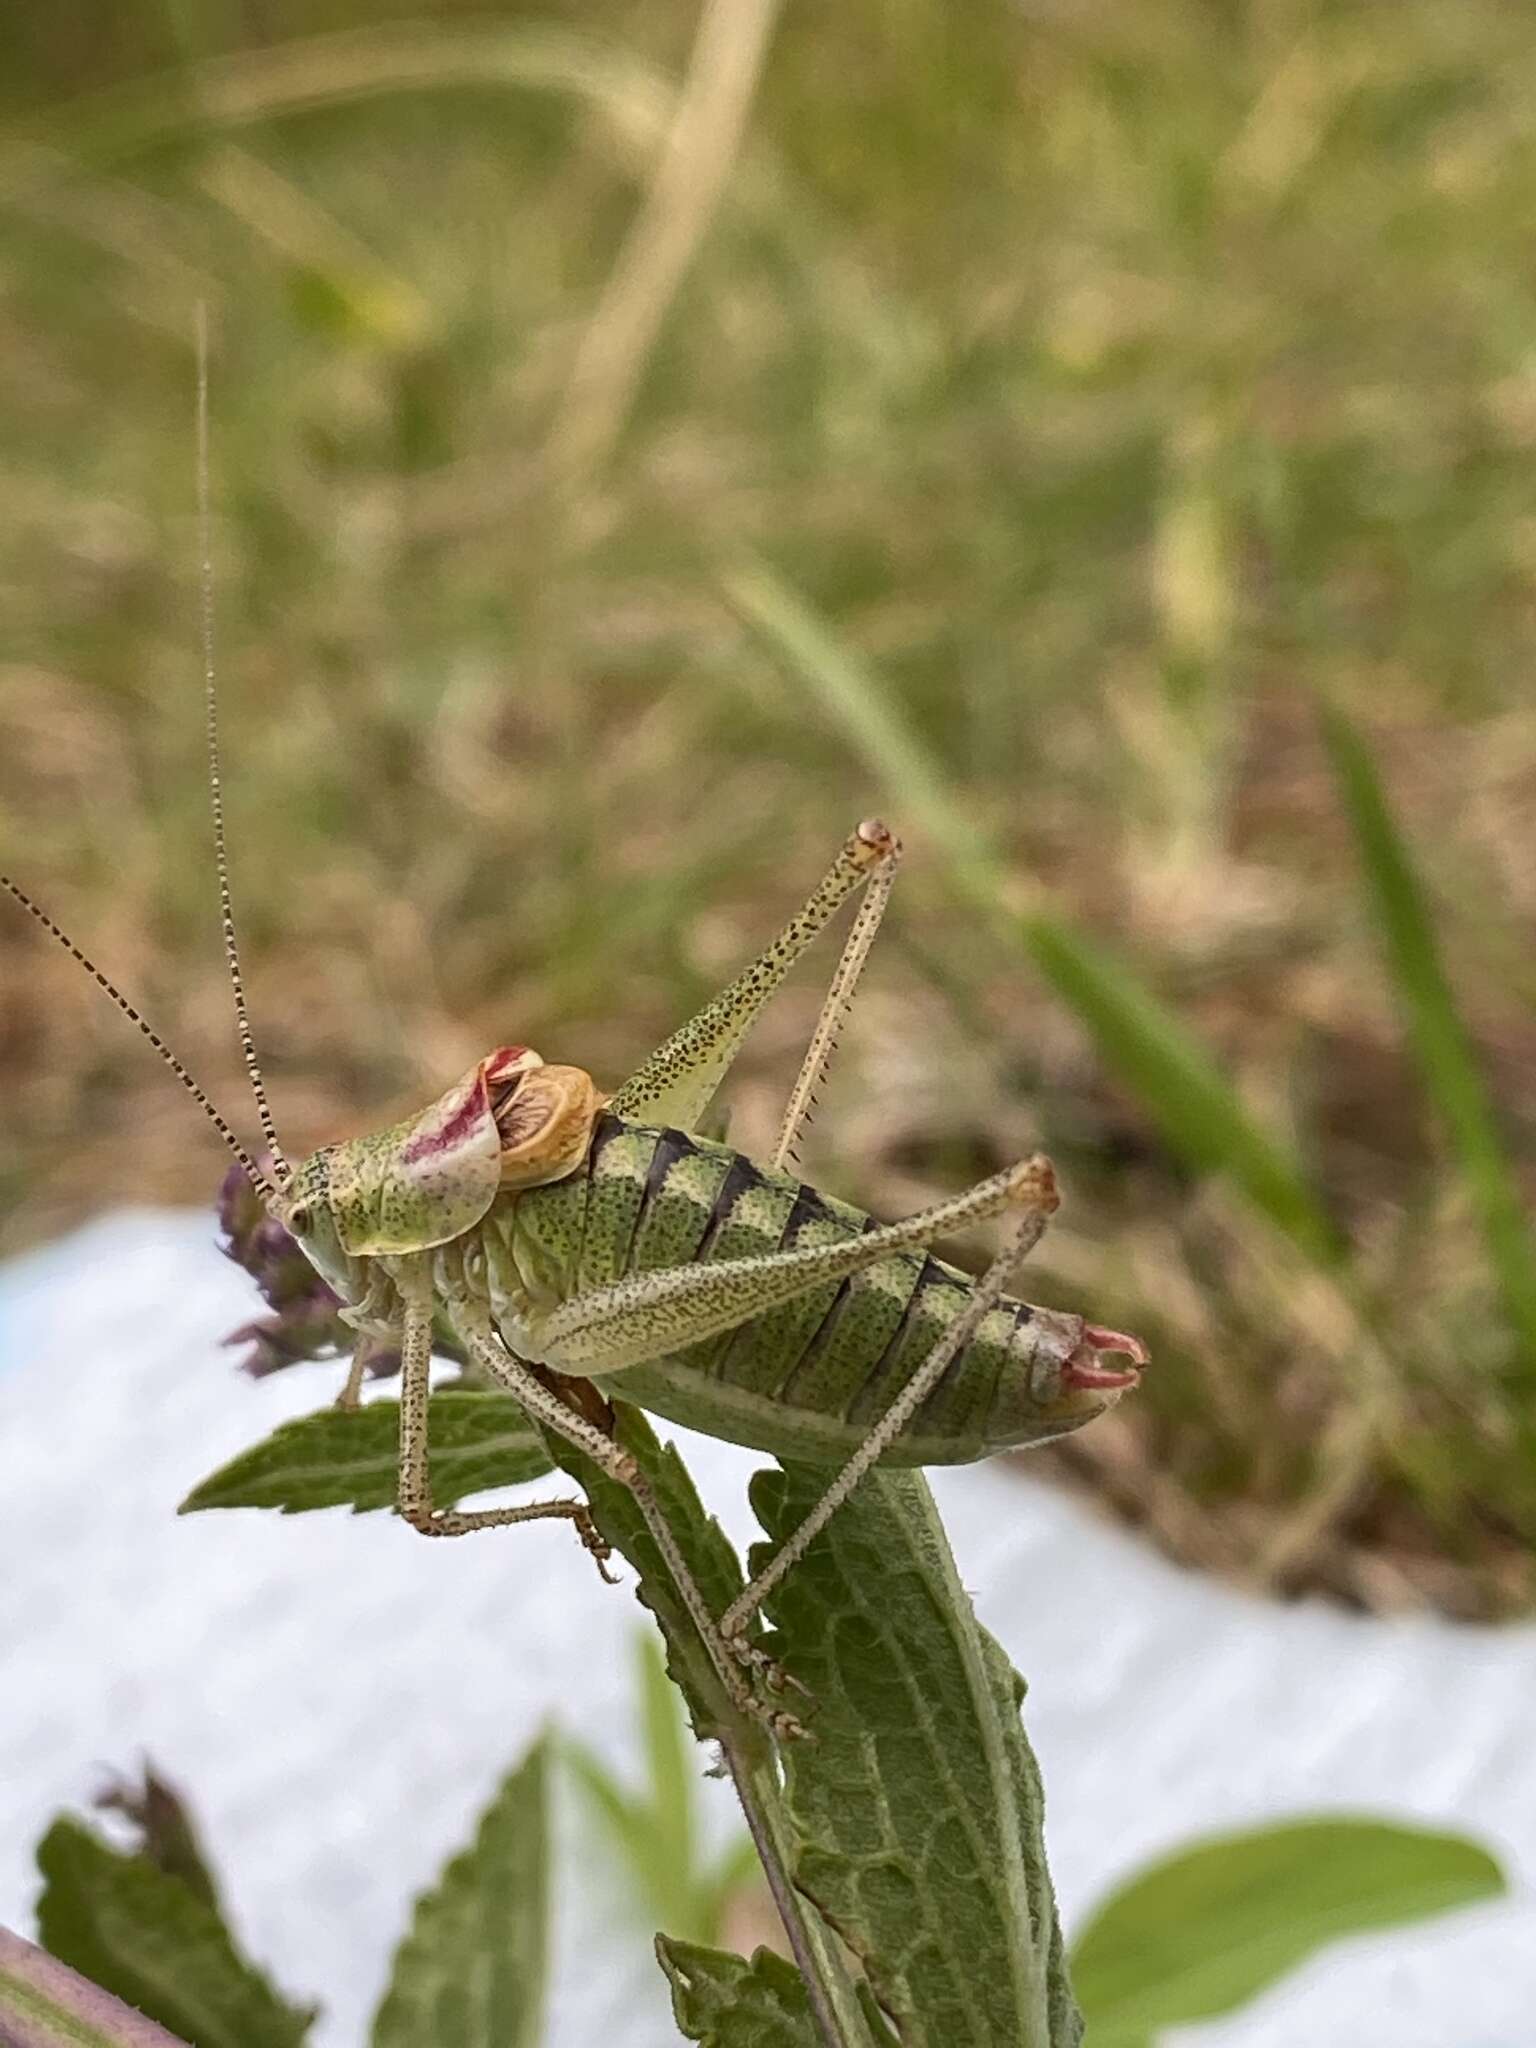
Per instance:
(568,1235)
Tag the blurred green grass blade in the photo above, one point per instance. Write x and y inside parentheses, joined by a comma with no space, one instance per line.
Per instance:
(1210,1927)
(846,689)
(1171,1071)
(244,87)
(656,1835)
(1175,1077)
(671,1781)
(1440,1041)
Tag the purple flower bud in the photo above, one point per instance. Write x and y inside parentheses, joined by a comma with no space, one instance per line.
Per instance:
(306,1323)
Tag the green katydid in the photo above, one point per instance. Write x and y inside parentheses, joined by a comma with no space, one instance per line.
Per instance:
(570,1236)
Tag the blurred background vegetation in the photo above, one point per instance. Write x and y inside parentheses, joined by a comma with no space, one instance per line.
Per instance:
(1099,437)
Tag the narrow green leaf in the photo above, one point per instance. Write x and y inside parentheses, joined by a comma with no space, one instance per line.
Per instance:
(656,1835)
(669,1767)
(470,1972)
(1212,1926)
(1440,1042)
(867,713)
(46,2004)
(1172,1072)
(102,127)
(625,1820)
(917,1806)
(341,1458)
(722,2001)
(145,1936)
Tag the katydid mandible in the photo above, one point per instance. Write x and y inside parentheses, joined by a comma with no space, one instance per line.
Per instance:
(569,1235)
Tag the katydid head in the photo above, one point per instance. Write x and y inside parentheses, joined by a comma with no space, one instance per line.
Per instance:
(510,1122)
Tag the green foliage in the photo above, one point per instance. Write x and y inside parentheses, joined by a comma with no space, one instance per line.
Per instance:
(163,1825)
(912,1825)
(470,1972)
(656,1830)
(1208,1928)
(45,2004)
(715,1566)
(722,2001)
(1450,1071)
(351,1458)
(916,1812)
(1100,540)
(744,1747)
(1158,1057)
(149,1938)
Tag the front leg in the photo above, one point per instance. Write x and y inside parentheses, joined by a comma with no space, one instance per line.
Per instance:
(414,1495)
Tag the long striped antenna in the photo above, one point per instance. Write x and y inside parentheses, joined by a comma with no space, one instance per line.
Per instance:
(253,1172)
(215,783)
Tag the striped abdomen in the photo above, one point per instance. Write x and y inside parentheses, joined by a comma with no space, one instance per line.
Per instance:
(807,1379)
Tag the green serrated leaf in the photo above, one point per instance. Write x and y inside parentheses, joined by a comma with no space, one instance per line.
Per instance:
(342,1458)
(46,2004)
(715,1565)
(722,2001)
(1065,2022)
(909,1803)
(1208,1928)
(144,1936)
(470,1973)
(745,1749)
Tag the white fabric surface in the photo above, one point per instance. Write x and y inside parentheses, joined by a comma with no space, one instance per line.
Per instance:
(339,1698)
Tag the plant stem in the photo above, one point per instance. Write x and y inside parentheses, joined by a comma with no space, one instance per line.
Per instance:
(833,2004)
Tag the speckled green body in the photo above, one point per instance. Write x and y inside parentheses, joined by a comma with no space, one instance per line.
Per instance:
(805,1380)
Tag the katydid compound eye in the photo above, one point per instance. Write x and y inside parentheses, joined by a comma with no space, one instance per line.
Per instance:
(299,1221)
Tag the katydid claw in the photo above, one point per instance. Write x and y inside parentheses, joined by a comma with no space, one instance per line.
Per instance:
(774,1675)
(597,1548)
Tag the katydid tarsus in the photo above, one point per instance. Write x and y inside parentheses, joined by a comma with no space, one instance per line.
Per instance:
(569,1235)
